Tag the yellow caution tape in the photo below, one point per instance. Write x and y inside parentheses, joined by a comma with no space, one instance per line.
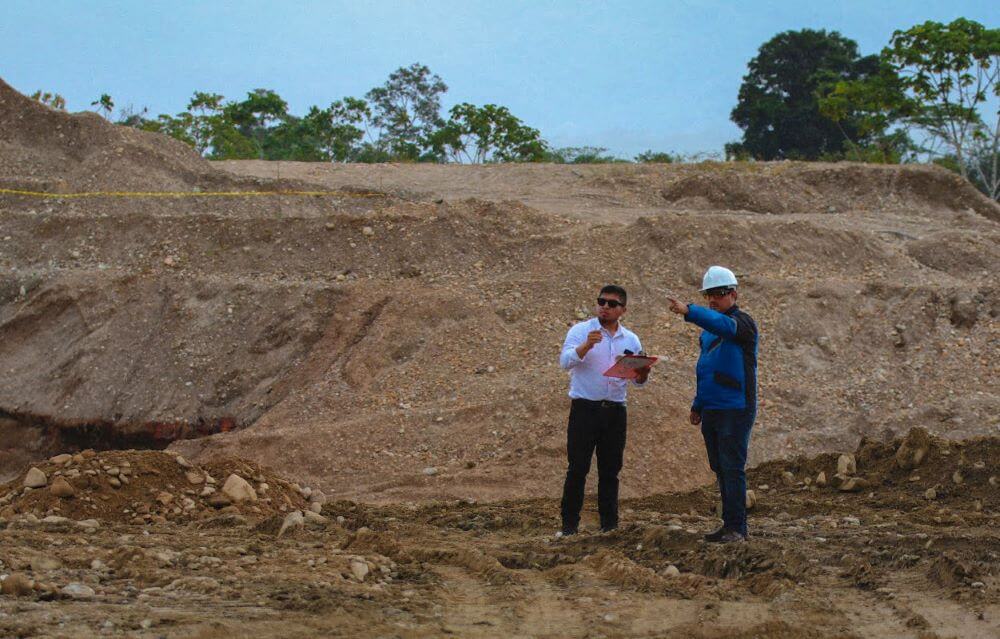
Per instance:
(179,194)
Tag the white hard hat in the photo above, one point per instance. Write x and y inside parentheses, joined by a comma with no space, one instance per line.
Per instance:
(716,277)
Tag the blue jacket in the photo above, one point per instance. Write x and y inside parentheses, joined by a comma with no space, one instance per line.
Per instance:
(727,366)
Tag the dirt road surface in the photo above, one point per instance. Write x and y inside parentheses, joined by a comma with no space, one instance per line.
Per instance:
(878,558)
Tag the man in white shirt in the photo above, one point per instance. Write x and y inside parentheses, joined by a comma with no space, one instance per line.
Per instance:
(597,417)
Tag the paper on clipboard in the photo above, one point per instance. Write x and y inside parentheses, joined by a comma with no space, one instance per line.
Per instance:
(627,365)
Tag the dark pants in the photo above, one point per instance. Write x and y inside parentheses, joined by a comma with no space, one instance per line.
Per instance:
(727,437)
(601,427)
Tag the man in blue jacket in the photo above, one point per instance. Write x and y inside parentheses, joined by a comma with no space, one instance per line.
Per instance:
(725,403)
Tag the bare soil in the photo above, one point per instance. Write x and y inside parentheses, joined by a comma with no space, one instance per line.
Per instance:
(393,343)
(886,561)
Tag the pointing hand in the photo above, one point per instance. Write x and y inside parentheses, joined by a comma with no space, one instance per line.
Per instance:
(678,307)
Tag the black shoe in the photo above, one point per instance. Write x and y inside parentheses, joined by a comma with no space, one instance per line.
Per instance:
(731,536)
(607,529)
(566,532)
(714,537)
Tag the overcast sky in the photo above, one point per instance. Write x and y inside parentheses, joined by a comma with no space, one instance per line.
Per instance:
(628,76)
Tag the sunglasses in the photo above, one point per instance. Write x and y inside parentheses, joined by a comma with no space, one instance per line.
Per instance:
(717,292)
(611,303)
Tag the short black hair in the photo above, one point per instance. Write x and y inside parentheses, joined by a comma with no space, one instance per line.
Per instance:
(617,290)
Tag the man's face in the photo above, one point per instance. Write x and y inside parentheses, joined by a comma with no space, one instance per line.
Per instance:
(605,312)
(720,301)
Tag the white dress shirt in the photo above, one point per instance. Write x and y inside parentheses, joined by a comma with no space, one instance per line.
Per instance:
(586,378)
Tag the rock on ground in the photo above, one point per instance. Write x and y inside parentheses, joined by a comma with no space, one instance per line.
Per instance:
(35,479)
(238,489)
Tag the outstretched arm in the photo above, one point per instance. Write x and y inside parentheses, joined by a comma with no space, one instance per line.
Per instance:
(712,321)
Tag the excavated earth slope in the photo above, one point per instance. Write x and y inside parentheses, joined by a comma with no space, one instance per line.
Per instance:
(397,338)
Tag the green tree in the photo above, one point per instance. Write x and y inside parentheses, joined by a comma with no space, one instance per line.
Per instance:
(205,121)
(104,104)
(875,105)
(655,157)
(342,128)
(254,117)
(177,127)
(407,110)
(206,126)
(778,106)
(940,80)
(489,133)
(951,72)
(52,100)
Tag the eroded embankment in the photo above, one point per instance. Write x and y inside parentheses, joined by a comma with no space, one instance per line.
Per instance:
(341,338)
(26,438)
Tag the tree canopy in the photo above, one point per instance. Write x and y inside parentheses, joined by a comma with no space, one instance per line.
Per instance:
(941,81)
(778,107)
(397,121)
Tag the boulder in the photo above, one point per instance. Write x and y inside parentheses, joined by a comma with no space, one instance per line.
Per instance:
(821,479)
(359,569)
(44,563)
(238,490)
(17,585)
(913,449)
(847,465)
(61,459)
(293,520)
(78,591)
(314,518)
(62,488)
(751,499)
(35,478)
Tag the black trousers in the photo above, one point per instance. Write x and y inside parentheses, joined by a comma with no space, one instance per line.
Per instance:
(593,426)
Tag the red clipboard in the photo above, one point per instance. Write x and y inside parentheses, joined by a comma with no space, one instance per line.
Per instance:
(626,366)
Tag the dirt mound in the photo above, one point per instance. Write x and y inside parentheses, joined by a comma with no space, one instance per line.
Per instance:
(957,253)
(624,193)
(817,188)
(143,487)
(750,192)
(44,149)
(58,151)
(919,468)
